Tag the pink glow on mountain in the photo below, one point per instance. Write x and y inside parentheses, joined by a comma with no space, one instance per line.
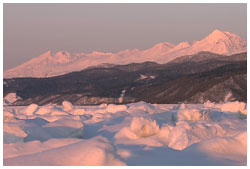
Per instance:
(61,62)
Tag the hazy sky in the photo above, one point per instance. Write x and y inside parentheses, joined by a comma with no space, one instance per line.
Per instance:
(32,29)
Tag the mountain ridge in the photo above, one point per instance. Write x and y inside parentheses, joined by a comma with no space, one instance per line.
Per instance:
(57,63)
(212,77)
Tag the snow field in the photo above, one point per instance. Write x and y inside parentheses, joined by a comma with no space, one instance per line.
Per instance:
(132,134)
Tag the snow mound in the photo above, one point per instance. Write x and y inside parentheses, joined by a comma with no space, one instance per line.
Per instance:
(144,127)
(186,134)
(208,103)
(31,109)
(31,147)
(67,106)
(233,148)
(116,108)
(140,127)
(147,107)
(78,112)
(234,107)
(8,116)
(125,133)
(92,152)
(134,134)
(104,105)
(13,133)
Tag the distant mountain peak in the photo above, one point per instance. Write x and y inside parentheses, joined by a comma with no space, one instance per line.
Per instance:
(217,35)
(54,57)
(217,32)
(62,53)
(52,63)
(182,45)
(164,45)
(221,43)
(159,48)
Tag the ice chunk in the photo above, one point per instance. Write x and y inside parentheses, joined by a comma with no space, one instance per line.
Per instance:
(44,110)
(67,106)
(31,109)
(10,98)
(144,127)
(104,105)
(78,112)
(233,107)
(140,127)
(208,103)
(138,130)
(126,133)
(193,115)
(186,134)
(165,132)
(147,107)
(115,108)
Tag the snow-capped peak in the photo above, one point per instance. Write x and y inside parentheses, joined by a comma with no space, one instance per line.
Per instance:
(158,49)
(60,62)
(61,57)
(218,35)
(52,57)
(163,46)
(39,59)
(182,45)
(221,43)
(62,54)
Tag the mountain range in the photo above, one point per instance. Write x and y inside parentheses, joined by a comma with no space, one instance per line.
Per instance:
(57,63)
(196,78)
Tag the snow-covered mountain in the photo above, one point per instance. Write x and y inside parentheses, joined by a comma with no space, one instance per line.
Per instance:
(58,63)
(188,79)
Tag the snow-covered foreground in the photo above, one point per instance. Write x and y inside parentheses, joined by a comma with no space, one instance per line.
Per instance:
(133,134)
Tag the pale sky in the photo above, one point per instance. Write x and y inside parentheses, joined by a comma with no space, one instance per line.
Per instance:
(32,29)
